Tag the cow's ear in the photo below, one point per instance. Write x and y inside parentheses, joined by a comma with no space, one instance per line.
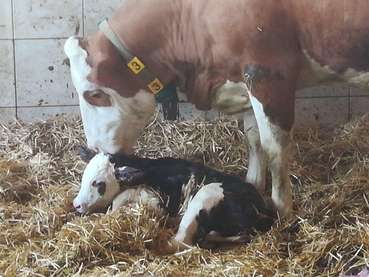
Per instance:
(97,98)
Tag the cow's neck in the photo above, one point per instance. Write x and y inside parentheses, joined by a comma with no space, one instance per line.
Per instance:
(144,33)
(170,37)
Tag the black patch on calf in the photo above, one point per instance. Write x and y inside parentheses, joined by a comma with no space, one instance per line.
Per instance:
(242,209)
(241,212)
(166,175)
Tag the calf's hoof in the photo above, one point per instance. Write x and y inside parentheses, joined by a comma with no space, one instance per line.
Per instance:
(165,244)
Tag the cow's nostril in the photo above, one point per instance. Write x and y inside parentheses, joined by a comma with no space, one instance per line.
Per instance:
(77,207)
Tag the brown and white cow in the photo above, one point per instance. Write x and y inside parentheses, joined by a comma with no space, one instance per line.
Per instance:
(207,48)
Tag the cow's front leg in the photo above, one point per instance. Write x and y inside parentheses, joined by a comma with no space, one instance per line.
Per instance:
(275,142)
(272,95)
(257,159)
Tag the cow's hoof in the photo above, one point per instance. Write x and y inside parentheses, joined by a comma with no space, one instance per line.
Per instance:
(284,207)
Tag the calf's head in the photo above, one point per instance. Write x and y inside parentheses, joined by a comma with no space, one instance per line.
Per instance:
(98,187)
(112,119)
(101,181)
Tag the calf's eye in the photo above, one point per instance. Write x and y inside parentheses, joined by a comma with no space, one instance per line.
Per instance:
(101,187)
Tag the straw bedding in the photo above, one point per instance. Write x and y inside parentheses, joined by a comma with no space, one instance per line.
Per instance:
(41,235)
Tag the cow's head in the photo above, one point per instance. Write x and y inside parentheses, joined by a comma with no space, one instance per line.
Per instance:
(112,123)
(98,186)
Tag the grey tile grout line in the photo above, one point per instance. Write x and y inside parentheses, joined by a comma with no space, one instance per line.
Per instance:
(83,18)
(14,63)
(48,106)
(29,107)
(349,116)
(322,97)
(39,38)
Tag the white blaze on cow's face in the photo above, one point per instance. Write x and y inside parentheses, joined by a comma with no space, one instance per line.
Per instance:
(116,124)
(98,187)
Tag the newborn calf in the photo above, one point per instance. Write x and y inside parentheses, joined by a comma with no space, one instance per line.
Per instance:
(220,207)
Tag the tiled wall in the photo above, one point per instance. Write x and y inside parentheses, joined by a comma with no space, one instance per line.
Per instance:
(35,82)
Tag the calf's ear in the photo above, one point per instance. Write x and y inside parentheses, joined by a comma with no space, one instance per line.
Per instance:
(97,98)
(130,176)
(85,153)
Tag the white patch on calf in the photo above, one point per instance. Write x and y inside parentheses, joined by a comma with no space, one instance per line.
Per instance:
(205,199)
(275,143)
(99,169)
(110,128)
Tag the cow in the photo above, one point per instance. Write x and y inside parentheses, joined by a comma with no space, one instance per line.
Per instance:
(225,55)
(215,207)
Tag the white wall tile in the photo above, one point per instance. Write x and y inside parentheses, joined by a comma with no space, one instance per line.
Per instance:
(7,89)
(359,106)
(321,111)
(337,90)
(7,115)
(354,91)
(30,114)
(47,18)
(96,10)
(43,77)
(6,29)
(187,111)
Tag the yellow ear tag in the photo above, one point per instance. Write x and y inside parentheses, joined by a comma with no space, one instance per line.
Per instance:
(135,65)
(155,86)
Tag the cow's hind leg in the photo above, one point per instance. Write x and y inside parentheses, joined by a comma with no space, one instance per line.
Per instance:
(257,159)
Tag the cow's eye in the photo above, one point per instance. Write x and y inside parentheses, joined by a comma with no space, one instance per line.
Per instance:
(101,187)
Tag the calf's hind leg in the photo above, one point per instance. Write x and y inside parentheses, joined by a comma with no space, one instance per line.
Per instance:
(205,199)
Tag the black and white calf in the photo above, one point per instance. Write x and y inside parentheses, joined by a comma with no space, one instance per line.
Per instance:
(220,207)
